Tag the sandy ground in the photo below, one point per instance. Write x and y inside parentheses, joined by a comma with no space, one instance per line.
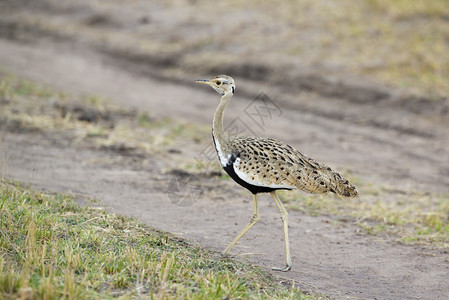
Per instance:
(378,141)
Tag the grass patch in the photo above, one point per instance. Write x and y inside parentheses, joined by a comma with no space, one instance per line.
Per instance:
(11,87)
(415,217)
(51,248)
(410,8)
(28,106)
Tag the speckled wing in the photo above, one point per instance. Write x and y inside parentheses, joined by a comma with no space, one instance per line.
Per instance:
(270,163)
(258,165)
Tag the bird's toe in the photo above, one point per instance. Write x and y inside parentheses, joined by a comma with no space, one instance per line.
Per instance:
(284,269)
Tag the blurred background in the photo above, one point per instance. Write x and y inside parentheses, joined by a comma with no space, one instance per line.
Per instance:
(324,46)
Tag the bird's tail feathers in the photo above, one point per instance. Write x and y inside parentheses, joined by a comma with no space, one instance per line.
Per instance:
(342,187)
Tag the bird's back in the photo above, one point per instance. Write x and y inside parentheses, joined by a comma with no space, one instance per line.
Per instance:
(271,163)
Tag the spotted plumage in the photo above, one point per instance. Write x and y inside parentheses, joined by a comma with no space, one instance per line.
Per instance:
(270,163)
(264,165)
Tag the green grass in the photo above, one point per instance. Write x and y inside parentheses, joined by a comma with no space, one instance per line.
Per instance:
(51,248)
(11,86)
(410,8)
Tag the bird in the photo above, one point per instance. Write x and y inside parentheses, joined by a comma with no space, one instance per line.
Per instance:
(265,165)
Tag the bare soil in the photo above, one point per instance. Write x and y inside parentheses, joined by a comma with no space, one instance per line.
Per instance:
(373,136)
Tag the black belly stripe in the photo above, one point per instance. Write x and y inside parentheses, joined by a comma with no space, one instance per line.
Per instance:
(255,189)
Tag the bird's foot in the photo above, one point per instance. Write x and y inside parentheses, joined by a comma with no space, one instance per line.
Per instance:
(285,269)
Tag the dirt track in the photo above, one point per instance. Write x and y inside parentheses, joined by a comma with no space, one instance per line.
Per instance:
(377,141)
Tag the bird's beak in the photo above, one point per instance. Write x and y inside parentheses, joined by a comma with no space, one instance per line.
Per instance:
(203,81)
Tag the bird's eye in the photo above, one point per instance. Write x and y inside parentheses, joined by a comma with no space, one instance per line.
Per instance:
(218,82)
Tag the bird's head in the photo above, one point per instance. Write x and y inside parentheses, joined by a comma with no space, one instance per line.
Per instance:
(222,84)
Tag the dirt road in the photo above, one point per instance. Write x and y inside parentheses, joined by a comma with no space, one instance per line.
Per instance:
(379,142)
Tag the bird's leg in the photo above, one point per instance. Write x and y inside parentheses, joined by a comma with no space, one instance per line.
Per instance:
(284,218)
(251,223)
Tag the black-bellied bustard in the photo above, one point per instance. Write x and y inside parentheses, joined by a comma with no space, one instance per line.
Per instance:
(265,165)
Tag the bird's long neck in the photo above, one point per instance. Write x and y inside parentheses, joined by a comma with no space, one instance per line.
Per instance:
(217,126)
